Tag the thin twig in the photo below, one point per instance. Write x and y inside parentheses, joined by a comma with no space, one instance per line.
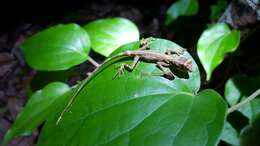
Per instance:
(237,106)
(92,61)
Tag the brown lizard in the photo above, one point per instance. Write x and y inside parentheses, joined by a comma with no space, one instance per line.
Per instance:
(162,60)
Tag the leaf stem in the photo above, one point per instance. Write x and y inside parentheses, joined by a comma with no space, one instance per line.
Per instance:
(92,61)
(237,106)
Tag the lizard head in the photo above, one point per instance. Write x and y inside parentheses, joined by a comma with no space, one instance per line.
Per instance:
(183,64)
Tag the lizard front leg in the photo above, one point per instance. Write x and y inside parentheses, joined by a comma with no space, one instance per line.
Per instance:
(178,52)
(167,74)
(128,67)
(145,43)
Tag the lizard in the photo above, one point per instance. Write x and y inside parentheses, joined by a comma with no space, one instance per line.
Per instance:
(160,59)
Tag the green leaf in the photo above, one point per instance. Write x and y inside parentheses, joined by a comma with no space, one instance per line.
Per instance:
(238,88)
(138,108)
(108,34)
(232,90)
(57,48)
(214,43)
(42,105)
(249,135)
(182,8)
(230,135)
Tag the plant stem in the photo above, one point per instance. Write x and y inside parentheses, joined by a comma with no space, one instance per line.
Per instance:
(248,99)
(92,61)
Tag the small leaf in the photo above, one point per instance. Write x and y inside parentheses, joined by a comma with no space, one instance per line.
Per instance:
(230,135)
(249,135)
(42,105)
(214,43)
(182,8)
(57,48)
(108,34)
(232,91)
(238,88)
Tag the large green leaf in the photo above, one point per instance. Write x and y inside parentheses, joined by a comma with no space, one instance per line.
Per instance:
(57,48)
(214,43)
(138,109)
(230,135)
(182,8)
(108,34)
(240,87)
(42,105)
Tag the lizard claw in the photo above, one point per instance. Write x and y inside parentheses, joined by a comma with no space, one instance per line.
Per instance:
(119,72)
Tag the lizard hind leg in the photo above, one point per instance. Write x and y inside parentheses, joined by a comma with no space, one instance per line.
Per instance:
(167,74)
(128,67)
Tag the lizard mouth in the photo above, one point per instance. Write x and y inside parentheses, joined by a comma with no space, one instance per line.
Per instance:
(188,65)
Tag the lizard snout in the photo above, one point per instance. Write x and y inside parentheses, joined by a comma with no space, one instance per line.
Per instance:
(188,65)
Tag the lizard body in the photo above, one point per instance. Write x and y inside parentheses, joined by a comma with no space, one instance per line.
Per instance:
(180,63)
